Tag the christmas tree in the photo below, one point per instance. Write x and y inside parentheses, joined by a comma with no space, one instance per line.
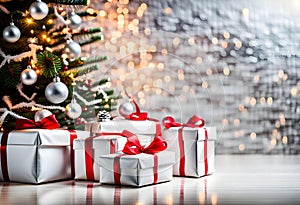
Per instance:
(41,64)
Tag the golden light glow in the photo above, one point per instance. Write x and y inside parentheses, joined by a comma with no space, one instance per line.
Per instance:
(262,100)
(273,141)
(29,20)
(236,122)
(191,41)
(202,198)
(270,101)
(246,12)
(50,21)
(32,31)
(294,91)
(102,13)
(164,51)
(160,66)
(284,139)
(204,84)
(168,10)
(226,35)
(214,41)
(226,71)
(176,41)
(214,199)
(169,200)
(225,122)
(242,147)
(253,135)
(256,79)
(44,36)
(209,71)
(199,60)
(253,101)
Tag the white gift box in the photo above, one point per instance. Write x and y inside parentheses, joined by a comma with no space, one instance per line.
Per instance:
(145,127)
(136,170)
(37,155)
(194,154)
(87,155)
(98,146)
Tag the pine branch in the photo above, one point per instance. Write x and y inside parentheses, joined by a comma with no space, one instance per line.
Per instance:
(83,71)
(67,2)
(92,40)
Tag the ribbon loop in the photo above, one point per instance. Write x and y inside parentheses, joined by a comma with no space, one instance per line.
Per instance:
(192,122)
(133,145)
(49,122)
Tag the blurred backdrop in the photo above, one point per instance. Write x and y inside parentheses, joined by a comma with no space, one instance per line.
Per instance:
(235,63)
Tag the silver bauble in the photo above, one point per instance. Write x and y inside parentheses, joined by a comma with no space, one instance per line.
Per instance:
(73,109)
(126,109)
(39,10)
(11,33)
(28,76)
(56,92)
(75,20)
(41,114)
(72,49)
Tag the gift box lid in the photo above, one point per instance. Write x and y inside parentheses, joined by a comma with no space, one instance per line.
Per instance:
(194,134)
(137,127)
(97,141)
(140,161)
(42,137)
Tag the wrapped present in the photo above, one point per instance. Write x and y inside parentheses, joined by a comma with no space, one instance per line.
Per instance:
(194,146)
(138,165)
(145,127)
(37,155)
(88,151)
(137,122)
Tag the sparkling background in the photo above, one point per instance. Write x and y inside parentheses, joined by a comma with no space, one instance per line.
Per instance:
(235,63)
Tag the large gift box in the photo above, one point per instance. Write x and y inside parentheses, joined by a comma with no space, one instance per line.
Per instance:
(88,151)
(38,155)
(136,170)
(194,147)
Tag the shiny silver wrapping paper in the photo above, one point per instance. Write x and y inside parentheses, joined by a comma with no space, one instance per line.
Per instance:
(39,155)
(193,142)
(137,170)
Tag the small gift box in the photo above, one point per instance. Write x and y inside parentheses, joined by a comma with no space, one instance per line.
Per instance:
(88,151)
(194,146)
(138,165)
(38,155)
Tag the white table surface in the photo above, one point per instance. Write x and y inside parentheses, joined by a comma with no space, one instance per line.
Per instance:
(239,179)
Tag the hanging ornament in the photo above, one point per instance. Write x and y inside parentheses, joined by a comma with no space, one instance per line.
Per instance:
(41,114)
(56,92)
(28,76)
(72,49)
(75,20)
(73,109)
(39,10)
(126,109)
(11,33)
(103,116)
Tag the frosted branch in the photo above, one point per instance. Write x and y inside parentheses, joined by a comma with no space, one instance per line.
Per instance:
(19,88)
(94,102)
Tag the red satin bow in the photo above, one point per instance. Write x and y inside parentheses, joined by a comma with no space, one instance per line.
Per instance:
(170,122)
(49,122)
(133,146)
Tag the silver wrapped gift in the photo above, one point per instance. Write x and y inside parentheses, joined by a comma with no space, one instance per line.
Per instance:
(37,155)
(145,127)
(136,170)
(194,153)
(88,151)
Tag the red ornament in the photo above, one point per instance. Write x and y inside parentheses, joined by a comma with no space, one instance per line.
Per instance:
(90,80)
(66,68)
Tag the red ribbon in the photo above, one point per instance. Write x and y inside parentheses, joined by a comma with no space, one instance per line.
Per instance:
(3,154)
(49,122)
(73,136)
(133,147)
(192,122)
